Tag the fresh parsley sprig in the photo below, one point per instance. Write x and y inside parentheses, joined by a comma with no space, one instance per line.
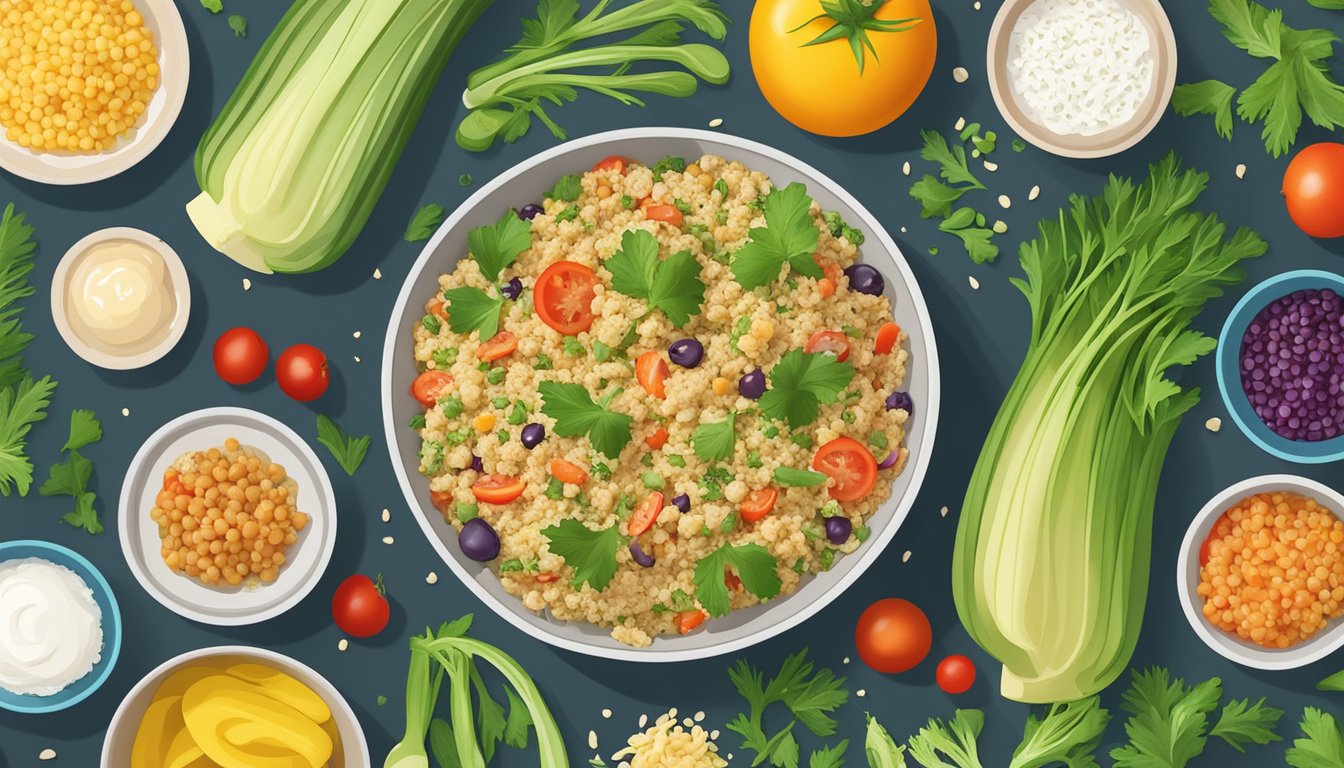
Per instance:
(671,285)
(71,478)
(590,553)
(576,414)
(754,565)
(23,400)
(347,449)
(471,309)
(494,247)
(424,223)
(715,441)
(800,382)
(789,236)
(936,197)
(1322,745)
(954,740)
(810,698)
(968,225)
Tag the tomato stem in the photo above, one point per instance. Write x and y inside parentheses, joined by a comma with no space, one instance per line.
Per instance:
(853,20)
(378,585)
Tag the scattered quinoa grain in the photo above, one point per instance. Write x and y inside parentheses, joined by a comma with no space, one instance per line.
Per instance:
(1034,193)
(975,284)
(905,558)
(343,645)
(716,122)
(1214,424)
(961,123)
(247,284)
(377,274)
(861,693)
(905,168)
(699,716)
(606,714)
(1005,201)
(942,512)
(125,411)
(991,166)
(960,74)
(1241,170)
(387,515)
(592,739)
(432,578)
(387,540)
(47,754)
(357,334)
(999,227)
(643,720)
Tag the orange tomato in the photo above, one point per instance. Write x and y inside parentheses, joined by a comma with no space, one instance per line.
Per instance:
(820,88)
(436,309)
(498,489)
(689,620)
(563,297)
(658,439)
(758,504)
(502,344)
(887,336)
(660,212)
(429,385)
(852,468)
(568,472)
(642,519)
(829,342)
(650,371)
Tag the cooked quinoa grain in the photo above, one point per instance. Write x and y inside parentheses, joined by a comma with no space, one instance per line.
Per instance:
(675,510)
(668,745)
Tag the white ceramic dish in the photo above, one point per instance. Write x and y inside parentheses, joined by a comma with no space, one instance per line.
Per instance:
(527,182)
(226,606)
(1104,144)
(162,18)
(1229,646)
(121,731)
(177,275)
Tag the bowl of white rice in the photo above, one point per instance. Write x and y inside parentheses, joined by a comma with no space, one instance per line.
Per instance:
(1082,78)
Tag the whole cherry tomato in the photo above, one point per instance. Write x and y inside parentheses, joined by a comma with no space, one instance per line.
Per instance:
(302,372)
(360,606)
(240,356)
(893,635)
(956,674)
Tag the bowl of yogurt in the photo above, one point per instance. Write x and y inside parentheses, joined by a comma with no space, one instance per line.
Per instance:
(60,628)
(120,298)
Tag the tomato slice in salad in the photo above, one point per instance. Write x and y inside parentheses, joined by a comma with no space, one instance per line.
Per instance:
(830,342)
(563,297)
(498,489)
(612,163)
(429,386)
(650,371)
(887,336)
(689,620)
(852,469)
(642,519)
(662,212)
(568,472)
(502,344)
(442,500)
(758,504)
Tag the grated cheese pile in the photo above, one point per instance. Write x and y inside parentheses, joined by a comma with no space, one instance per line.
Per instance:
(1080,66)
(666,744)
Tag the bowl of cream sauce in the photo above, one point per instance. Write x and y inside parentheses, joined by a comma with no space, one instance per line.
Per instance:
(120,298)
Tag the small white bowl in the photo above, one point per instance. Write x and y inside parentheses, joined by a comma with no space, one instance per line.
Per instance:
(177,275)
(1230,646)
(64,168)
(1104,144)
(126,722)
(307,558)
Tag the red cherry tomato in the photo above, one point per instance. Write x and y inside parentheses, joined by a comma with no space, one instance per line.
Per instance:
(887,336)
(650,371)
(614,163)
(956,674)
(758,504)
(502,344)
(893,635)
(442,500)
(852,468)
(657,439)
(302,372)
(360,606)
(1313,187)
(240,356)
(660,212)
(563,297)
(429,386)
(830,342)
(498,489)
(645,514)
(689,620)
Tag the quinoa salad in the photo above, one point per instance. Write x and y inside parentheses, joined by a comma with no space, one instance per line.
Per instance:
(665,393)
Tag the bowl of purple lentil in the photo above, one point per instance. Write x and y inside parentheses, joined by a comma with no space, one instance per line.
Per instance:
(1281,366)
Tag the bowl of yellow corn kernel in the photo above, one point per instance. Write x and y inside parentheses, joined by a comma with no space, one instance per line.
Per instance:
(97,86)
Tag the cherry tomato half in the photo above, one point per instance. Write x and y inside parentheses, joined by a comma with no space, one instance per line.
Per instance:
(497,489)
(661,212)
(850,466)
(568,472)
(563,297)
(893,635)
(829,342)
(651,371)
(442,500)
(502,344)
(689,620)
(302,372)
(1313,187)
(758,504)
(360,606)
(240,356)
(956,674)
(644,516)
(429,386)
(657,439)
(613,163)
(887,337)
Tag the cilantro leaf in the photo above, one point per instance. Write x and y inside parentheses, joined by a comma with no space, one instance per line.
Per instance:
(85,429)
(1207,97)
(789,235)
(798,478)
(1167,720)
(576,414)
(672,285)
(955,739)
(829,757)
(934,197)
(567,189)
(72,479)
(800,382)
(715,441)
(754,565)
(1323,746)
(951,159)
(213,6)
(471,309)
(809,698)
(592,554)
(347,449)
(1069,733)
(977,240)
(239,25)
(84,515)
(423,224)
(495,246)
(20,407)
(1243,723)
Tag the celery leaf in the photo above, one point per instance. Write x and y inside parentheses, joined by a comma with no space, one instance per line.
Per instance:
(1207,97)
(21,407)
(829,757)
(955,740)
(1168,721)
(85,429)
(1068,733)
(1323,746)
(1243,723)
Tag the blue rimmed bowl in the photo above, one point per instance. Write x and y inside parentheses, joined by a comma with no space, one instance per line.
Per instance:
(107,603)
(1229,367)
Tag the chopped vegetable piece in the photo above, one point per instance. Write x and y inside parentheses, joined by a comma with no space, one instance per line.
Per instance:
(429,386)
(852,469)
(798,478)
(651,371)
(424,223)
(955,740)
(758,504)
(498,489)
(656,439)
(644,516)
(500,345)
(563,297)
(347,449)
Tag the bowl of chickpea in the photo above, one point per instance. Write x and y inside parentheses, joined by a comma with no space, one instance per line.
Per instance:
(227,517)
(97,86)
(1261,572)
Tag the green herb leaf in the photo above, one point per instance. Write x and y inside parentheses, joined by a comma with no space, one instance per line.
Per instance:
(1208,97)
(213,6)
(424,223)
(977,240)
(789,236)
(85,429)
(576,414)
(591,553)
(672,285)
(800,382)
(669,163)
(798,478)
(1069,733)
(1243,723)
(72,479)
(754,565)
(1323,746)
(852,20)
(442,744)
(951,159)
(567,189)
(495,246)
(829,757)
(934,197)
(347,449)
(239,25)
(519,722)
(1329,5)
(955,740)
(471,309)
(1167,721)
(715,441)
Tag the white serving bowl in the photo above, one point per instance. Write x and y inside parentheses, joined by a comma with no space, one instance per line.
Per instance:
(177,276)
(126,722)
(163,19)
(1230,646)
(527,182)
(307,558)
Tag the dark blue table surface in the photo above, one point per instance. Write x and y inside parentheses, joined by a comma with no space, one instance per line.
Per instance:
(981,336)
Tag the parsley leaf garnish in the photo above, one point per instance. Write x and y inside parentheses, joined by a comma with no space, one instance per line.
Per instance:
(1243,723)
(347,449)
(72,478)
(800,382)
(1323,746)
(798,478)
(1068,733)
(671,285)
(495,246)
(576,414)
(239,25)
(955,739)
(1207,97)
(1167,720)
(829,757)
(951,160)
(213,6)
(592,554)
(471,309)
(978,240)
(809,698)
(85,429)
(23,401)
(715,441)
(754,565)
(789,235)
(423,224)
(567,189)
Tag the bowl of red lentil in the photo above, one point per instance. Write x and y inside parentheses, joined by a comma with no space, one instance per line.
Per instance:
(99,85)
(1261,572)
